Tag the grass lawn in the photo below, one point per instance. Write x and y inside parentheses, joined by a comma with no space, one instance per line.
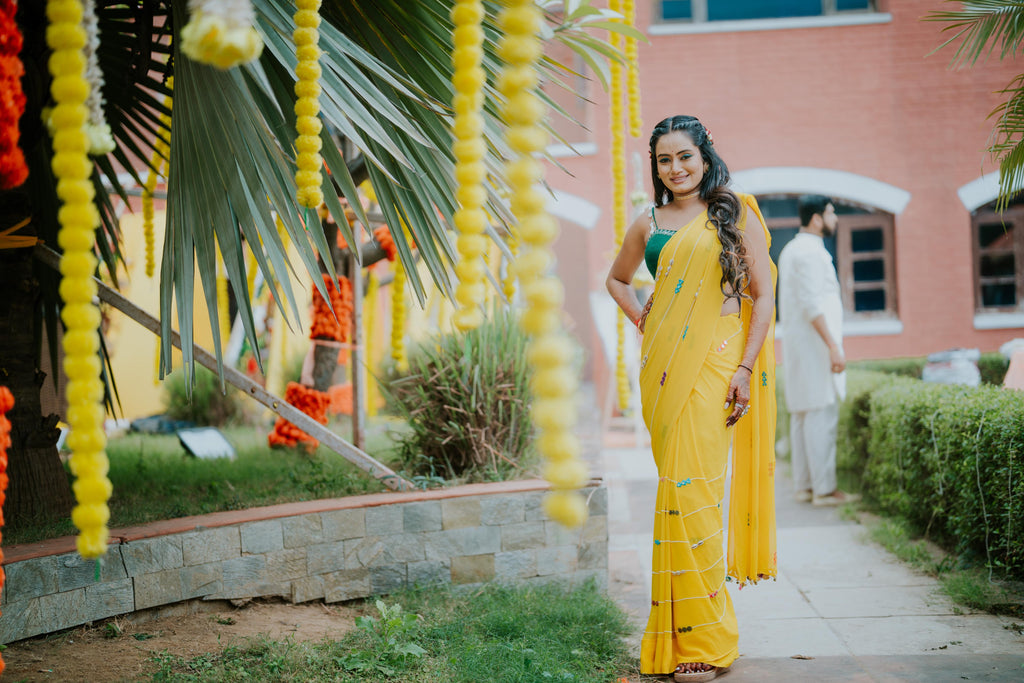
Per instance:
(498,633)
(154,478)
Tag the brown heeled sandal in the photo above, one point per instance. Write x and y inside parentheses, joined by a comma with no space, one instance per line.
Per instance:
(698,676)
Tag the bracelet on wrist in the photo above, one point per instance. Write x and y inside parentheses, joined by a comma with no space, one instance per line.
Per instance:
(750,370)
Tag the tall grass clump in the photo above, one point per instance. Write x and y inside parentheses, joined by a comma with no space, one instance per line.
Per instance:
(208,405)
(465,398)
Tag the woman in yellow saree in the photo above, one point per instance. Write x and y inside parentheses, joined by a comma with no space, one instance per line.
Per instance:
(707,380)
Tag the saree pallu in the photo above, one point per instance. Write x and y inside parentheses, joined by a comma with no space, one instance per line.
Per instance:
(688,356)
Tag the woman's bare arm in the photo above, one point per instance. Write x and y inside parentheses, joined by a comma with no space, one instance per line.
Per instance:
(624,267)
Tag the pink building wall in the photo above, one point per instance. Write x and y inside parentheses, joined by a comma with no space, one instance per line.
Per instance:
(866,99)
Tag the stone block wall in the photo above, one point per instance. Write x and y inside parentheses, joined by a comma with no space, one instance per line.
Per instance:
(329,550)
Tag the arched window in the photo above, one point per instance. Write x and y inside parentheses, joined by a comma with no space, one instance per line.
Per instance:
(862,249)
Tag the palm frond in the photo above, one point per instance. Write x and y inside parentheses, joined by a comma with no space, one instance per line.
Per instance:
(980,26)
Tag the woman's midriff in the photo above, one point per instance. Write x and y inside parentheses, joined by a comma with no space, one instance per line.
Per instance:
(730,306)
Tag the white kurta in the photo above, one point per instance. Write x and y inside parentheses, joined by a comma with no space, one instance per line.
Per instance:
(808,287)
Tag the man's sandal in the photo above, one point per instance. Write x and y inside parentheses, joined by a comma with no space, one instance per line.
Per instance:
(698,676)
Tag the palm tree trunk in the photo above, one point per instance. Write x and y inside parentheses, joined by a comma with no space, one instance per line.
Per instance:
(38,489)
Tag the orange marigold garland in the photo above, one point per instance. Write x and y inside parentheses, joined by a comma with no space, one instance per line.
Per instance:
(335,326)
(13,170)
(383,236)
(6,403)
(310,401)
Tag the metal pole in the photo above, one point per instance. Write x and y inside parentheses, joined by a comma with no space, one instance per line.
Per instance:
(289,412)
(358,356)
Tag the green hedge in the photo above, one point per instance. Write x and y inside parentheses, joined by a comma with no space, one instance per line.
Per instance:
(949,459)
(992,366)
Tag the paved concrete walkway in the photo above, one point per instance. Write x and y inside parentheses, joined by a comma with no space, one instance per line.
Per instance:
(842,609)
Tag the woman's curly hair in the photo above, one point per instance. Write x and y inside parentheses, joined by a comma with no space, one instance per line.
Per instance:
(724,208)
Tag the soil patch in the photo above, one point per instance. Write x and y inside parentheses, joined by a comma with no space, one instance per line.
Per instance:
(117,649)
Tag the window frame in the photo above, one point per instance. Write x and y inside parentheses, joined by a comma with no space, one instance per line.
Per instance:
(699,13)
(1014,215)
(845,258)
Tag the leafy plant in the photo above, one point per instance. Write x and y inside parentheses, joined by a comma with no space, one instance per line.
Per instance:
(391,641)
(466,400)
(208,405)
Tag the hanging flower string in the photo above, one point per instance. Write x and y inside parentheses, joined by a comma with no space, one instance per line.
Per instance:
(78,219)
(221,33)
(633,71)
(161,157)
(332,321)
(470,172)
(6,403)
(550,353)
(13,170)
(618,152)
(101,140)
(308,176)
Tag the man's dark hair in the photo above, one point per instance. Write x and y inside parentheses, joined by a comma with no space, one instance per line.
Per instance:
(811,204)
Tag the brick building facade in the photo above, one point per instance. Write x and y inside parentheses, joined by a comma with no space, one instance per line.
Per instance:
(848,101)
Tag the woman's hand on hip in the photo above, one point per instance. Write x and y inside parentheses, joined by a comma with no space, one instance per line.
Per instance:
(738,397)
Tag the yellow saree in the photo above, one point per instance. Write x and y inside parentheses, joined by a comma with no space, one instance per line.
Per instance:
(688,356)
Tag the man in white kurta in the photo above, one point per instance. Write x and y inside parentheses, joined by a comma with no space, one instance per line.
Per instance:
(811,319)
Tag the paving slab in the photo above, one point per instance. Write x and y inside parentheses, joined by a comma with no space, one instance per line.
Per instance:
(913,669)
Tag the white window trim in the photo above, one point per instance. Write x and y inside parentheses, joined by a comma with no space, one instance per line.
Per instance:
(879,327)
(671,28)
(580,149)
(826,181)
(574,209)
(981,191)
(998,321)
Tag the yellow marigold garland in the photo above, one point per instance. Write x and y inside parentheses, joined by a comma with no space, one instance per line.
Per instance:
(398,353)
(221,33)
(553,382)
(308,176)
(618,151)
(508,285)
(633,71)
(161,155)
(78,218)
(470,172)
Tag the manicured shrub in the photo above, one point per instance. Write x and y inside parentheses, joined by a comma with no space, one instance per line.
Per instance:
(465,398)
(852,433)
(993,367)
(208,404)
(950,460)
(907,367)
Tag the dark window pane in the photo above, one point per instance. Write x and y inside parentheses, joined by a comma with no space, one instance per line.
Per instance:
(872,270)
(846,5)
(998,235)
(779,207)
(722,10)
(869,300)
(676,9)
(869,239)
(995,265)
(999,295)
(780,238)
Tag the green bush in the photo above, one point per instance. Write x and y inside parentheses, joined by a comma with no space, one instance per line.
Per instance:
(906,367)
(950,460)
(852,432)
(993,367)
(466,400)
(208,405)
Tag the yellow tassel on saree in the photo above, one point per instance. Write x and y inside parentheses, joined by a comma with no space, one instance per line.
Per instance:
(688,357)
